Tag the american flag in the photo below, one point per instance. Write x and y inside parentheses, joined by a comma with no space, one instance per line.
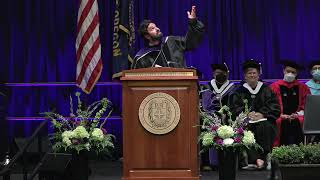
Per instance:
(89,62)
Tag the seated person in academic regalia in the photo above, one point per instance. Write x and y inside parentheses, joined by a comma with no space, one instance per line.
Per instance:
(167,51)
(215,94)
(264,107)
(292,97)
(314,83)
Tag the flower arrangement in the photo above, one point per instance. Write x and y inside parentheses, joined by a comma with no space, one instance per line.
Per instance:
(82,130)
(221,132)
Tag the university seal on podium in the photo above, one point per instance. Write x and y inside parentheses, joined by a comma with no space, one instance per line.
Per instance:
(159,113)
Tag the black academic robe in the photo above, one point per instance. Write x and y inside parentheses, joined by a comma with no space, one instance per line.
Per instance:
(264,101)
(170,53)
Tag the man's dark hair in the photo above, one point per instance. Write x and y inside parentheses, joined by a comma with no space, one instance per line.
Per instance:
(143,28)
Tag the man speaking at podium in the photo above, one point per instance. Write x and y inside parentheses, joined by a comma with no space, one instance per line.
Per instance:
(167,51)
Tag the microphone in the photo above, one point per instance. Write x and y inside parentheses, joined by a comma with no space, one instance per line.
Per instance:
(175,64)
(199,73)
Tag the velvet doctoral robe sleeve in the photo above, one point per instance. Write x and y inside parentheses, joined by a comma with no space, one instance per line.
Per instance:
(193,37)
(270,107)
(304,91)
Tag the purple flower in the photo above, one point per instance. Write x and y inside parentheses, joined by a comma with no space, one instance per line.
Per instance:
(219,141)
(237,140)
(240,130)
(214,128)
(104,130)
(246,121)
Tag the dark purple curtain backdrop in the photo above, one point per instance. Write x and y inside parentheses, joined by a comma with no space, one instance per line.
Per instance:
(267,30)
(37,44)
(37,37)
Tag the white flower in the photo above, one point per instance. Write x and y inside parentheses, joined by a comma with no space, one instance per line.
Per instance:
(87,145)
(228,141)
(225,132)
(67,134)
(207,139)
(248,138)
(81,132)
(66,141)
(97,134)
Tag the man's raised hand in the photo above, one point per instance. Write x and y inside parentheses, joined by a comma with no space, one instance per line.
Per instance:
(193,14)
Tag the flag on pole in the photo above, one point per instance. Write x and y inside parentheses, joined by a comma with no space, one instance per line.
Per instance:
(123,36)
(88,47)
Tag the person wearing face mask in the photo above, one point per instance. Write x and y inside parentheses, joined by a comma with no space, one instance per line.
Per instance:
(215,94)
(167,51)
(265,110)
(292,97)
(314,83)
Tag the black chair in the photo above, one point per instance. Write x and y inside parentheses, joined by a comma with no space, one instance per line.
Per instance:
(311,116)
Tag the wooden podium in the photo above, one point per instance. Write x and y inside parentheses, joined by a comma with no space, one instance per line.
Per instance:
(160,112)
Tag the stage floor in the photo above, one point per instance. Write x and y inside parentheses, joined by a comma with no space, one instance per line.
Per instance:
(113,171)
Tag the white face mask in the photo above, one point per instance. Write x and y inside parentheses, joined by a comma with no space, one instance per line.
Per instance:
(289,77)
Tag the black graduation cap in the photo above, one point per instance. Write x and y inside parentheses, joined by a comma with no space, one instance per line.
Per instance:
(251,64)
(290,63)
(313,63)
(222,67)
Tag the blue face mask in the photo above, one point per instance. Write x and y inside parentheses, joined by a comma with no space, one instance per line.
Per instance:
(289,77)
(316,74)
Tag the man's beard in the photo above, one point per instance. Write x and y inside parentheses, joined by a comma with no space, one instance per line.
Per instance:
(157,37)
